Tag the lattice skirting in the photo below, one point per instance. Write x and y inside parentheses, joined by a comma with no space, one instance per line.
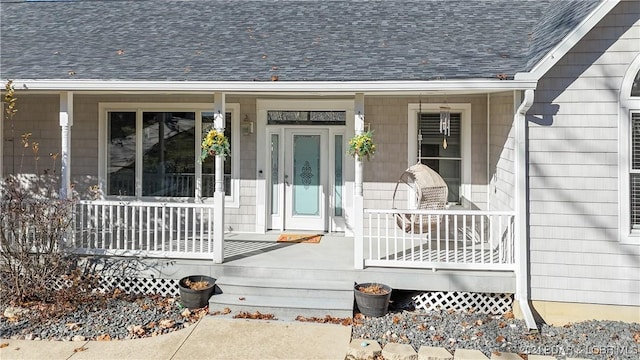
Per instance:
(485,303)
(140,286)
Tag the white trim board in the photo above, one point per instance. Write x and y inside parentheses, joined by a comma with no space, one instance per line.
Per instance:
(270,87)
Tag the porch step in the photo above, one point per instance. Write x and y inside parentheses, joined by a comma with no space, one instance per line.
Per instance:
(284,298)
(289,287)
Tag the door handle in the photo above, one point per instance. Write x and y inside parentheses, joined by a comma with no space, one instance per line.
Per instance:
(285,180)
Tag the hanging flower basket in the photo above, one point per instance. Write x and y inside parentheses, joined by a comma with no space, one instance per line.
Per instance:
(362,145)
(215,143)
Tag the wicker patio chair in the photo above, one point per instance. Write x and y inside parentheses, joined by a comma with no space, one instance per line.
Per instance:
(430,193)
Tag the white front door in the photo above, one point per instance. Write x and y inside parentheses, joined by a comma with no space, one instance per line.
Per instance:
(306,179)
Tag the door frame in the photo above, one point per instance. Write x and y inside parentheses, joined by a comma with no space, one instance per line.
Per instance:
(264,220)
(297,222)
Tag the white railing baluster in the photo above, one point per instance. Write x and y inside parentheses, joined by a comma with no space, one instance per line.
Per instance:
(379,234)
(148,227)
(455,238)
(474,226)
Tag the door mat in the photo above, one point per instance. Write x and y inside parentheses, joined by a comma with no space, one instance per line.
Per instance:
(300,238)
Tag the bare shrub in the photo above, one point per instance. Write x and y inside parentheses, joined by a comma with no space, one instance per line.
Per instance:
(34,224)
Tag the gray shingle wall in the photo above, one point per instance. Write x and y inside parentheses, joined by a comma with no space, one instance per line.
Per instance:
(576,255)
(252,40)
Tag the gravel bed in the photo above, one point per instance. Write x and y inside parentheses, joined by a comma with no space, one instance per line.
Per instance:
(111,319)
(487,333)
(116,318)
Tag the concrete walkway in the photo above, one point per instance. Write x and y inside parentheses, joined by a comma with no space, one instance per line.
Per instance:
(210,338)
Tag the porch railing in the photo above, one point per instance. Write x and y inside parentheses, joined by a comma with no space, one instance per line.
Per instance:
(156,229)
(452,239)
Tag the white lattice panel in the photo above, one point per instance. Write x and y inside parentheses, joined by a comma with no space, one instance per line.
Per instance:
(485,303)
(141,286)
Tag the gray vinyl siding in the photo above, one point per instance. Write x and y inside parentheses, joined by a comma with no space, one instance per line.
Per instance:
(575,253)
(38,115)
(501,152)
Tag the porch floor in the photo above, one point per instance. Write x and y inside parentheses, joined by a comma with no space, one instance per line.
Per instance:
(260,255)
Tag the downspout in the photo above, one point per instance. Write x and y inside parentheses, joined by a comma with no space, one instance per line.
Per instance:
(521,250)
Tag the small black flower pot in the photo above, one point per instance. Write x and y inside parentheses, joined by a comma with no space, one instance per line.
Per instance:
(195,299)
(374,305)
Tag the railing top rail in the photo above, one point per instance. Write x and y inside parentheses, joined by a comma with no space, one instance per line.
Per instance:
(440,212)
(133,203)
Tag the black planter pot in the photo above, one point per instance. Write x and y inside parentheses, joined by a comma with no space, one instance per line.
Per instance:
(374,305)
(194,299)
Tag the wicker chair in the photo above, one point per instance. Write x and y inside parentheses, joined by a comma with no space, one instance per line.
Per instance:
(430,193)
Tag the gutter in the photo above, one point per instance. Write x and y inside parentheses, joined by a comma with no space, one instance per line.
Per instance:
(521,250)
(313,87)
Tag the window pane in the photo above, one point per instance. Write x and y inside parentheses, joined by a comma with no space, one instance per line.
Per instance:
(635,88)
(446,162)
(209,165)
(635,201)
(168,159)
(277,117)
(275,168)
(635,141)
(635,176)
(339,153)
(121,154)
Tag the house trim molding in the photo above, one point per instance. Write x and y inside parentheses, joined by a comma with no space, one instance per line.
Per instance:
(311,87)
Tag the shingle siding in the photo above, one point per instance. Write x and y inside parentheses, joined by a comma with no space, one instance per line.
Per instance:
(573,169)
(501,152)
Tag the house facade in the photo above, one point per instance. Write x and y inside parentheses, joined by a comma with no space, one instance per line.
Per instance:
(538,154)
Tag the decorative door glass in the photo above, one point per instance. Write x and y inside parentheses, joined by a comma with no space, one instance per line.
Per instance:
(306,167)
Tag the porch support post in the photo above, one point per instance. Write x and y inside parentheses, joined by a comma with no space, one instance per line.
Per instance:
(66,121)
(358,201)
(521,233)
(218,195)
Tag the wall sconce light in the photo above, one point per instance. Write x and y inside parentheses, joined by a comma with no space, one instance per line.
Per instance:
(247,126)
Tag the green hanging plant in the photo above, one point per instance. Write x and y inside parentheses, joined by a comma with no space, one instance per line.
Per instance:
(215,143)
(362,145)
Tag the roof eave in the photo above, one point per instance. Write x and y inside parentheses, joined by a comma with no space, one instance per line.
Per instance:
(315,87)
(564,46)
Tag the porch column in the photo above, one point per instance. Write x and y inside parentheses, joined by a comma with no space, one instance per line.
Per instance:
(218,195)
(66,121)
(358,200)
(520,221)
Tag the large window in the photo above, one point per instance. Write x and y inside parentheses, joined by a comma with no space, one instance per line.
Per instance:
(442,153)
(634,176)
(156,153)
(629,156)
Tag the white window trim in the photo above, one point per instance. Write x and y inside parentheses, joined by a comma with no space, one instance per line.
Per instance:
(628,105)
(465,138)
(232,200)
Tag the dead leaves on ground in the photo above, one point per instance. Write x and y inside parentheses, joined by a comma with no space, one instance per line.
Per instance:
(326,320)
(4,345)
(225,311)
(254,316)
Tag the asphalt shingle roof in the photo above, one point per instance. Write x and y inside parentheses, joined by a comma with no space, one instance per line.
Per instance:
(296,40)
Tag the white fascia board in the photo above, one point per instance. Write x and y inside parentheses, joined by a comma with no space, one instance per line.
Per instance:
(314,87)
(560,50)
